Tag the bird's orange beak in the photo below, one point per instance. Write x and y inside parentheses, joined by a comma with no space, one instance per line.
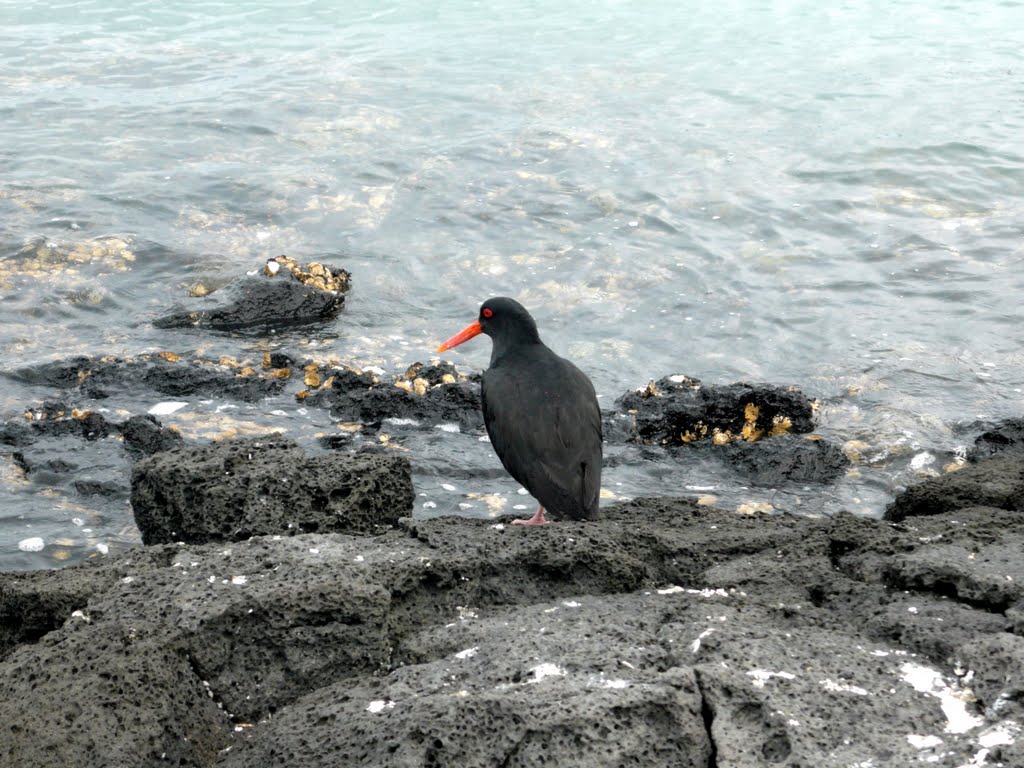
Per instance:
(465,334)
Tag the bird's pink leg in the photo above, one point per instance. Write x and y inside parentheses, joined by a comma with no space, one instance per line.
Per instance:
(537,519)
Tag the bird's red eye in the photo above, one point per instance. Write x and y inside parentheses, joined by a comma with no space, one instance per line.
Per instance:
(488,312)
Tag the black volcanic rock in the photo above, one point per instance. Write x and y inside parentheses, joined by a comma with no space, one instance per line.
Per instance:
(1005,437)
(166,373)
(144,436)
(676,410)
(281,293)
(787,458)
(753,427)
(664,634)
(361,397)
(996,482)
(235,489)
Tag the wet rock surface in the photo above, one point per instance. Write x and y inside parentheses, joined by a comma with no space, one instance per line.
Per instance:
(787,458)
(434,394)
(996,482)
(753,427)
(234,489)
(664,634)
(1005,437)
(282,292)
(144,436)
(749,427)
(59,446)
(166,373)
(678,409)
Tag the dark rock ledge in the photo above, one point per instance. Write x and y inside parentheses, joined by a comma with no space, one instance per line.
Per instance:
(667,634)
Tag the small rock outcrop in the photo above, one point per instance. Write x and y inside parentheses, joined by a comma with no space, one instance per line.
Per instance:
(753,427)
(282,292)
(234,489)
(1005,437)
(677,410)
(167,373)
(995,482)
(665,634)
(435,394)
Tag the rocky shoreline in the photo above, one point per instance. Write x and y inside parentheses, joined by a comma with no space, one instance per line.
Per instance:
(289,610)
(667,633)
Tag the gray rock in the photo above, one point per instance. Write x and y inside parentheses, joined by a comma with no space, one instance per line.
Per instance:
(144,436)
(235,489)
(35,603)
(1005,437)
(105,695)
(581,682)
(998,664)
(678,406)
(664,634)
(101,378)
(995,482)
(282,293)
(787,458)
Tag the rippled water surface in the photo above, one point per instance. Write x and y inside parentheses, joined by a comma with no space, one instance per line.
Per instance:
(825,194)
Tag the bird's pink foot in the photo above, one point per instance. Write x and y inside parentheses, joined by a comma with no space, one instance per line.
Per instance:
(537,519)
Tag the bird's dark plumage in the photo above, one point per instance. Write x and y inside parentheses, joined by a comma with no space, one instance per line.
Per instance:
(541,413)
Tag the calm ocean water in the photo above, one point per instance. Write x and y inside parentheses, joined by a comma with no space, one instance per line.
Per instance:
(826,194)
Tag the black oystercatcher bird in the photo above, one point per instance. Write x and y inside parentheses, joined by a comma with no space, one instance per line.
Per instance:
(541,414)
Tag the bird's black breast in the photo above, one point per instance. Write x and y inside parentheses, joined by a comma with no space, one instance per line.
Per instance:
(544,423)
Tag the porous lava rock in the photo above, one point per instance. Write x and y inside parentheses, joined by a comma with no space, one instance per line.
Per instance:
(144,435)
(434,394)
(282,292)
(787,458)
(165,372)
(664,634)
(995,482)
(677,409)
(1006,436)
(234,489)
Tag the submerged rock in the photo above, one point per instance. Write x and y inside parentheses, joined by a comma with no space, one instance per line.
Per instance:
(51,451)
(234,489)
(283,292)
(165,372)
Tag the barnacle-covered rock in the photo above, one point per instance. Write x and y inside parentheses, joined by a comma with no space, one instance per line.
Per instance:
(430,394)
(282,292)
(164,372)
(752,426)
(677,410)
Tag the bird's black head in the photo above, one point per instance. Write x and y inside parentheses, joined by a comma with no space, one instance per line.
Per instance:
(505,320)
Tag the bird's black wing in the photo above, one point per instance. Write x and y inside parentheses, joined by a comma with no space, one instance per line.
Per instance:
(545,425)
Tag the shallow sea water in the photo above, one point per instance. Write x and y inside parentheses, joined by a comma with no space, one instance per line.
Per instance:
(829,195)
